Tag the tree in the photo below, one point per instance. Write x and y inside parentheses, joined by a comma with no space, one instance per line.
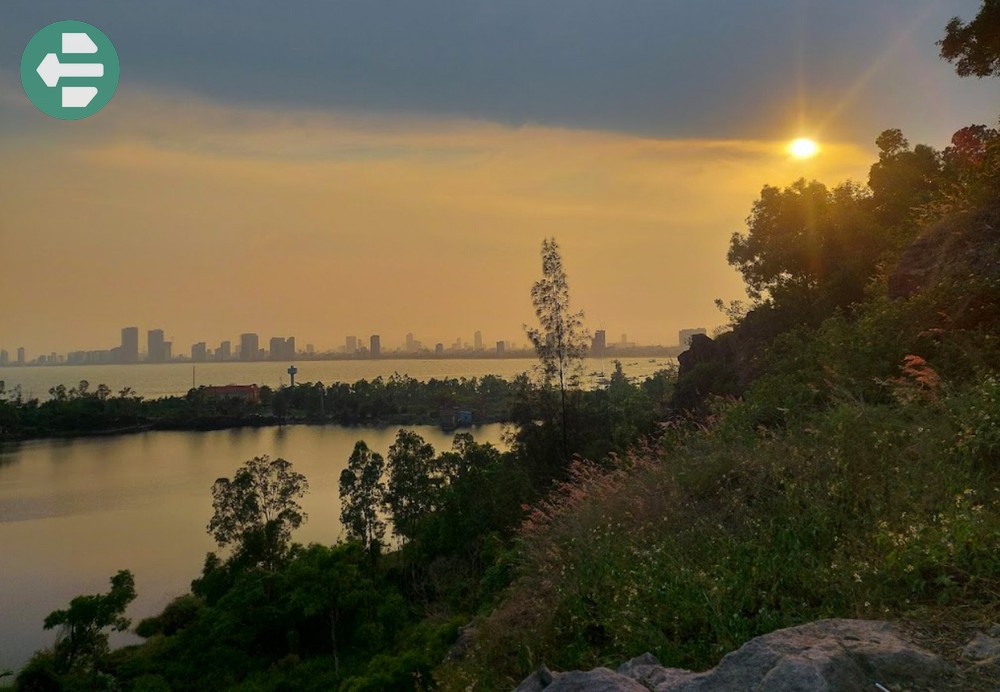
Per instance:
(974,48)
(361,494)
(82,637)
(809,249)
(257,510)
(560,339)
(413,482)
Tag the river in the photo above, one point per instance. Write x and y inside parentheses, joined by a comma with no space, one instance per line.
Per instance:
(74,512)
(175,379)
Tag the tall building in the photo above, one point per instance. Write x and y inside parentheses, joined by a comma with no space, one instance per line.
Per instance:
(276,350)
(154,346)
(477,341)
(351,345)
(600,343)
(130,345)
(249,345)
(439,349)
(684,336)
(4,358)
(375,347)
(282,348)
(199,352)
(167,351)
(501,348)
(225,351)
(20,356)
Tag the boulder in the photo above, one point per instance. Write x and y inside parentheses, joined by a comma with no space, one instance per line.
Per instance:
(820,656)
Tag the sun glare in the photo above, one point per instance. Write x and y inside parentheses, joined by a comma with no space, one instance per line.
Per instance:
(803,148)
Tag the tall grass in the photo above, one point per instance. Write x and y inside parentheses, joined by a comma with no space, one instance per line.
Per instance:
(689,549)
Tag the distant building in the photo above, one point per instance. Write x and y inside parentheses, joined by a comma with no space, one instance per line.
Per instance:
(20,356)
(249,393)
(684,336)
(277,348)
(168,351)
(351,345)
(439,349)
(310,349)
(600,343)
(154,346)
(477,341)
(282,348)
(130,345)
(225,351)
(4,358)
(375,347)
(199,352)
(249,346)
(501,348)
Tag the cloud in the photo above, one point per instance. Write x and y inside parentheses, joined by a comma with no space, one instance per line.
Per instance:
(210,220)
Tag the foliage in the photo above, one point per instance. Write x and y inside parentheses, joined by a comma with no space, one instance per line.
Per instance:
(361,495)
(414,481)
(974,47)
(257,510)
(83,639)
(560,339)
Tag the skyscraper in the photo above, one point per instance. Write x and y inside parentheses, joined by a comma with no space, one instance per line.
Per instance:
(351,345)
(276,350)
(375,346)
(130,345)
(225,351)
(249,345)
(684,336)
(4,358)
(600,342)
(477,341)
(154,346)
(199,352)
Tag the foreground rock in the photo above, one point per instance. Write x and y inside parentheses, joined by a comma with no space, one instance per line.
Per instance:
(825,655)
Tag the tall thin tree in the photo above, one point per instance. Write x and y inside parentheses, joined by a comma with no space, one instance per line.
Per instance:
(560,339)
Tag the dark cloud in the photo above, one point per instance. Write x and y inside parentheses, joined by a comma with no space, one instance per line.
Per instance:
(662,67)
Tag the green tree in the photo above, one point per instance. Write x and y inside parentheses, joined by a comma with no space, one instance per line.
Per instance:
(413,482)
(82,639)
(362,492)
(560,339)
(809,248)
(257,510)
(974,48)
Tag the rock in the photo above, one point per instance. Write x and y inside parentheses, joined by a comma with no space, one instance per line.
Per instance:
(822,656)
(957,247)
(597,680)
(982,647)
(647,670)
(465,640)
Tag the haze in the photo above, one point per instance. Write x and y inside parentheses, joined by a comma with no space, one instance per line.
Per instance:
(342,168)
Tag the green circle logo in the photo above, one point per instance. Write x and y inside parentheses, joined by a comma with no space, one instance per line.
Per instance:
(70,70)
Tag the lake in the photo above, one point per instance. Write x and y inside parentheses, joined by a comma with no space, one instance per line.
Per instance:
(154,380)
(74,512)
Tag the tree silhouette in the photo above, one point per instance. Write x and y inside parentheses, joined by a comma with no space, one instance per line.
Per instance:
(974,48)
(560,339)
(257,510)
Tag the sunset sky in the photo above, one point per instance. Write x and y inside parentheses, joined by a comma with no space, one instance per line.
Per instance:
(330,168)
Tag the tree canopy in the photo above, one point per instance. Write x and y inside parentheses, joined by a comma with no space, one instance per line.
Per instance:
(974,48)
(257,510)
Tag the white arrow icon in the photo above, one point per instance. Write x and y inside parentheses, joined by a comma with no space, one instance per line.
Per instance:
(51,70)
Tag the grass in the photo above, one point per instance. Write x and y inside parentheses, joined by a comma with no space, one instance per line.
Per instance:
(887,511)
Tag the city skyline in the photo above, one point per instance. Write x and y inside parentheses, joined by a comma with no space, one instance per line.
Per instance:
(249,347)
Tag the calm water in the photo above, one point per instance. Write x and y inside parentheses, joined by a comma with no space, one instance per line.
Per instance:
(72,513)
(156,380)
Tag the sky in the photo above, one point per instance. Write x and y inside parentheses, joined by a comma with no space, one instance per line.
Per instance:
(324,169)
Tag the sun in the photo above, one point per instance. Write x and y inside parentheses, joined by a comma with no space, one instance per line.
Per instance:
(803,148)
